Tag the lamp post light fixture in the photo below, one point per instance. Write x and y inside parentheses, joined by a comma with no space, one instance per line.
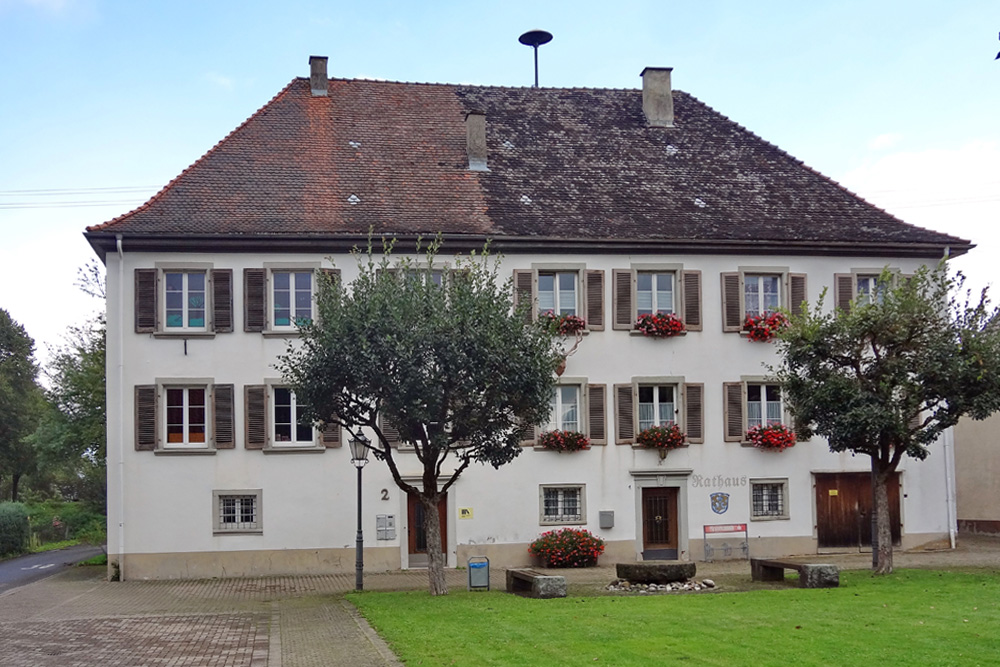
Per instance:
(359,457)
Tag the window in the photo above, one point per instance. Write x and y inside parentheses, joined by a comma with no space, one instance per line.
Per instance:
(862,285)
(654,293)
(289,424)
(557,292)
(647,289)
(761,294)
(291,299)
(656,406)
(237,511)
(659,401)
(190,300)
(759,291)
(763,405)
(184,415)
(564,289)
(562,504)
(185,300)
(768,499)
(752,402)
(564,414)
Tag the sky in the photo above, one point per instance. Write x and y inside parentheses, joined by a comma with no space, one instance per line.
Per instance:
(103,102)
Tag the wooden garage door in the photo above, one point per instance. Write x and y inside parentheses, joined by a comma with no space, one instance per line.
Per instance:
(844,506)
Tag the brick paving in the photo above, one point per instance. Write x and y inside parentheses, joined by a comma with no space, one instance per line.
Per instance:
(76,619)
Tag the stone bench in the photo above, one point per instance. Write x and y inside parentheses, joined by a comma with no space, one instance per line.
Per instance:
(811,575)
(532,584)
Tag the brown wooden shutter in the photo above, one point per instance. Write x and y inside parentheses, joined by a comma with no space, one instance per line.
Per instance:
(732,311)
(222,413)
(597,421)
(222,300)
(256,416)
(146,432)
(529,437)
(624,415)
(800,435)
(694,412)
(254,299)
(622,299)
(524,280)
(331,435)
(797,292)
(733,417)
(145,300)
(595,300)
(692,300)
(389,432)
(843,290)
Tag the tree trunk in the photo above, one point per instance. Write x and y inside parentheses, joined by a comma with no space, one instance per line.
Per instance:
(15,480)
(882,539)
(435,552)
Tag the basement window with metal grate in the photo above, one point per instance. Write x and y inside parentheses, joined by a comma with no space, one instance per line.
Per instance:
(237,511)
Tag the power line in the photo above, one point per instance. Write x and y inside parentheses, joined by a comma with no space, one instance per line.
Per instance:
(58,192)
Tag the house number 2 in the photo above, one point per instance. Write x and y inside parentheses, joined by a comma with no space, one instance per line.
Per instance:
(385,494)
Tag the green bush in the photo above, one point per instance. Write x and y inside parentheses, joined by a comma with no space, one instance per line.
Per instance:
(14,528)
(55,520)
(569,547)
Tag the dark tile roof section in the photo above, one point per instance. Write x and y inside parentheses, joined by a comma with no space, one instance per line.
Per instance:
(563,163)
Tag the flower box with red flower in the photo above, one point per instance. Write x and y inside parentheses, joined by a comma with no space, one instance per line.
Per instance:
(563,441)
(662,438)
(772,437)
(660,325)
(762,328)
(568,547)
(564,325)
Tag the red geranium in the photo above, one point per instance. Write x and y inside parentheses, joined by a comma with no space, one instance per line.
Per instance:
(659,325)
(563,441)
(762,328)
(775,437)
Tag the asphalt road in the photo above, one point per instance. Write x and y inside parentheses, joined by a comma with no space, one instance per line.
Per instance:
(23,570)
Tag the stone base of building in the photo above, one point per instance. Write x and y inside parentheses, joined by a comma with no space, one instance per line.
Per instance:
(979,526)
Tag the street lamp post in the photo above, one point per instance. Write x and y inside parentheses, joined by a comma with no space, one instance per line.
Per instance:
(359,457)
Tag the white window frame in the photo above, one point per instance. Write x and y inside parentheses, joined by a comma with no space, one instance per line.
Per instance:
(657,421)
(782,484)
(185,300)
(162,269)
(186,407)
(556,422)
(272,417)
(293,314)
(757,277)
(562,518)
(254,527)
(764,404)
(655,306)
(558,296)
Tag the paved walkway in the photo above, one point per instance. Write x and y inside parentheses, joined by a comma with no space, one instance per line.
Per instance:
(76,619)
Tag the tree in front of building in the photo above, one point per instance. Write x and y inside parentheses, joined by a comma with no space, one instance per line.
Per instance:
(429,355)
(889,375)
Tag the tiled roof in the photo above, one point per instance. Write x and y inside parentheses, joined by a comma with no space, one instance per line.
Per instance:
(574,164)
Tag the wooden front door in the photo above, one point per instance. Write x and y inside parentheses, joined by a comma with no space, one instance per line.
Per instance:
(659,523)
(844,509)
(417,535)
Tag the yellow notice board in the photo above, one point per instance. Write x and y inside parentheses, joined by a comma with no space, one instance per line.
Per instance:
(464,512)
(834,492)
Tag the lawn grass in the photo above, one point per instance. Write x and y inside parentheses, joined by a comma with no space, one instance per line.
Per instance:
(99,559)
(913,617)
(52,546)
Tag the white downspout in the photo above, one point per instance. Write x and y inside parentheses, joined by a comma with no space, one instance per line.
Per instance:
(949,483)
(121,408)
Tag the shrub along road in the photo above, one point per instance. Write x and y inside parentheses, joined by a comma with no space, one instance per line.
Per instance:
(32,567)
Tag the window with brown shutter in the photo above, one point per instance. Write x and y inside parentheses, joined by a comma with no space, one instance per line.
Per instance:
(843,291)
(145,300)
(692,300)
(524,280)
(624,414)
(797,292)
(256,416)
(389,432)
(529,436)
(222,300)
(254,300)
(596,420)
(624,312)
(732,308)
(222,409)
(759,290)
(146,422)
(331,435)
(733,412)
(694,412)
(595,300)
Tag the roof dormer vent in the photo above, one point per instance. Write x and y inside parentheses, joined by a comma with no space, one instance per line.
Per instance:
(657,98)
(475,130)
(318,80)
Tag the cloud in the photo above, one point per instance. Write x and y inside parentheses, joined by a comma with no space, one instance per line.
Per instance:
(884,141)
(950,190)
(224,82)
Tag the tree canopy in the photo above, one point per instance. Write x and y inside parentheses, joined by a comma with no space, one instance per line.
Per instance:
(19,400)
(435,353)
(887,377)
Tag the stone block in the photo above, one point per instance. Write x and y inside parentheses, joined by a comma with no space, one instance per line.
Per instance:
(655,571)
(820,575)
(535,585)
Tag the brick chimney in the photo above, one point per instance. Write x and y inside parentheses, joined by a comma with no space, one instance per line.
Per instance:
(475,131)
(657,100)
(318,80)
